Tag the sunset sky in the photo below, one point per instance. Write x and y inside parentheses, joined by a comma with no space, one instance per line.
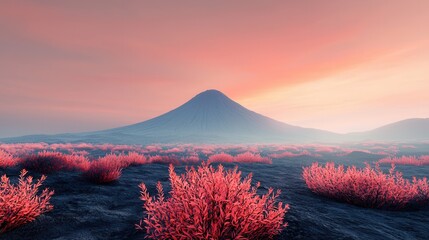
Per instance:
(69,66)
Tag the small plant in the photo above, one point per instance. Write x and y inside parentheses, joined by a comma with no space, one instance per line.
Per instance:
(21,203)
(103,170)
(367,187)
(209,203)
(7,160)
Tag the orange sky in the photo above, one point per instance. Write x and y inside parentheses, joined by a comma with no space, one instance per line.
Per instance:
(343,66)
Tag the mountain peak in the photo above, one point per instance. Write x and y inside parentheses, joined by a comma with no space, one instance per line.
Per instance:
(211,98)
(211,93)
(209,117)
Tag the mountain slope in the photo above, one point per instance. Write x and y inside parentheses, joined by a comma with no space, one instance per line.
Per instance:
(209,117)
(212,117)
(414,129)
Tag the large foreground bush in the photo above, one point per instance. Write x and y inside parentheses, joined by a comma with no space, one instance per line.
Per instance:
(208,203)
(21,203)
(367,187)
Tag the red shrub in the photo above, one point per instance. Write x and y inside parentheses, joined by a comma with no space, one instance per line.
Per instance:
(75,162)
(48,162)
(407,160)
(104,170)
(153,148)
(206,203)
(44,162)
(132,159)
(220,158)
(367,187)
(7,160)
(20,204)
(249,157)
(190,159)
(246,157)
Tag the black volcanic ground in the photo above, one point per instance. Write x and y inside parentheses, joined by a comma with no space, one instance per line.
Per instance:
(88,211)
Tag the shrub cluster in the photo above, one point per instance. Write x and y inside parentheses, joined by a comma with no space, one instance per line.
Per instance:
(132,159)
(407,160)
(246,157)
(48,162)
(163,159)
(368,187)
(208,203)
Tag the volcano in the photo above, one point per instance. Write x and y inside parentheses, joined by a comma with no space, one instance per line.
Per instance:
(213,117)
(209,117)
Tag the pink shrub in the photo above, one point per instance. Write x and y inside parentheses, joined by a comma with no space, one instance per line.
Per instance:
(132,159)
(84,146)
(153,148)
(220,158)
(75,162)
(246,157)
(21,203)
(367,187)
(206,150)
(104,170)
(48,162)
(190,159)
(7,160)
(249,157)
(44,162)
(126,160)
(407,160)
(206,203)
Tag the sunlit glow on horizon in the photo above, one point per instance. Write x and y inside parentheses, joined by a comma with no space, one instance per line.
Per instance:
(342,66)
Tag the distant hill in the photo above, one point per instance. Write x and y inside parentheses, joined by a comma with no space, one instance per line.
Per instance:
(212,117)
(409,130)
